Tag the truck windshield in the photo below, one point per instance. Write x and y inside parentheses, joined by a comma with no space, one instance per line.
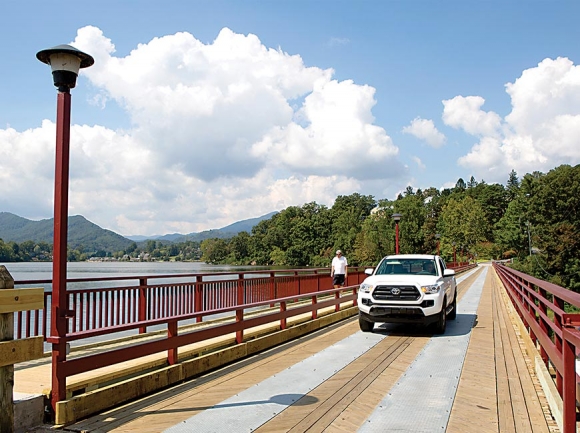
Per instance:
(407,267)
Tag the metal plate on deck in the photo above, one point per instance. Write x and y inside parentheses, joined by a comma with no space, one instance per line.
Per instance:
(422,399)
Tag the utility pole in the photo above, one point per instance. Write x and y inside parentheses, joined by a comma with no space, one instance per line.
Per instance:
(529,238)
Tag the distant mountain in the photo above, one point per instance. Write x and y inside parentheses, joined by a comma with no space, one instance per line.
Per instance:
(81,233)
(227,231)
(92,238)
(224,232)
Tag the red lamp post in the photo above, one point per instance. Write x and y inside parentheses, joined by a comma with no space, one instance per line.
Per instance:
(65,62)
(397,218)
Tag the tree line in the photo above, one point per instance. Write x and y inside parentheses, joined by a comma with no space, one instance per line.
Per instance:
(30,251)
(533,221)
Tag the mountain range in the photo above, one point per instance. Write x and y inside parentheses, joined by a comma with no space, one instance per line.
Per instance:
(89,237)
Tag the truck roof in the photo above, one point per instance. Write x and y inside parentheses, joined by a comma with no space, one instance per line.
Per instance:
(412,256)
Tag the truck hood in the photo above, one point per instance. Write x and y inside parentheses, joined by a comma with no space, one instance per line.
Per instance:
(422,280)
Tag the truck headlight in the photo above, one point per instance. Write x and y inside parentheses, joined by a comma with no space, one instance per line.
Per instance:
(366,288)
(431,289)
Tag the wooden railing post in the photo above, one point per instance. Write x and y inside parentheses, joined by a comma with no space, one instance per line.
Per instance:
(172,332)
(14,351)
(283,321)
(142,315)
(314,310)
(6,372)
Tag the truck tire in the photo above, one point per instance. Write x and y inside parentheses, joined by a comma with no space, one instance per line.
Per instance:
(441,323)
(453,314)
(365,325)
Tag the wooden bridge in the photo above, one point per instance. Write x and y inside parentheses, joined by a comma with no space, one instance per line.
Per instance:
(485,374)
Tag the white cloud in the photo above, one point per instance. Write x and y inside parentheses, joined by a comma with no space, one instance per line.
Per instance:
(425,129)
(541,131)
(419,163)
(219,132)
(465,113)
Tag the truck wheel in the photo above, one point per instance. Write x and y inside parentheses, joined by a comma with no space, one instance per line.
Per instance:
(441,323)
(365,325)
(453,313)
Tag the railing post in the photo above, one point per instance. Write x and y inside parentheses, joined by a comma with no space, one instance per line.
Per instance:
(197,298)
(569,386)
(272,288)
(314,310)
(297,283)
(240,312)
(7,372)
(337,296)
(142,316)
(558,341)
(543,326)
(172,332)
(283,320)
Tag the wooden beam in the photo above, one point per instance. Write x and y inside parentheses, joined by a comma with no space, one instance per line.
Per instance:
(13,300)
(25,349)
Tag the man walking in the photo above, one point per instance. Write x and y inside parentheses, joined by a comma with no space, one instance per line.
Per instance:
(338,270)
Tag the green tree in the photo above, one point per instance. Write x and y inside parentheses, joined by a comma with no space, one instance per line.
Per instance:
(214,250)
(348,214)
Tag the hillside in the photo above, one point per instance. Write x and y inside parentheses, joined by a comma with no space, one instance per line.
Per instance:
(81,233)
(223,233)
(227,231)
(86,236)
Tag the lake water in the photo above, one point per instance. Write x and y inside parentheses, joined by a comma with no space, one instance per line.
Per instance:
(43,270)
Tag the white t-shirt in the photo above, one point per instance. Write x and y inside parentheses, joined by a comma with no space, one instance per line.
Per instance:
(339,264)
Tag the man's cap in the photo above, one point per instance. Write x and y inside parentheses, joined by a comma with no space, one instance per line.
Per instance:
(338,252)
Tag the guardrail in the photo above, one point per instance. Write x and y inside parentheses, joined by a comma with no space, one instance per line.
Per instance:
(116,305)
(542,308)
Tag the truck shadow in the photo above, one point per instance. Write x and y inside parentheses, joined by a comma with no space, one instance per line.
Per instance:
(462,325)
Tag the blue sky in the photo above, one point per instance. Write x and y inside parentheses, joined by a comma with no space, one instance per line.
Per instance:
(198,114)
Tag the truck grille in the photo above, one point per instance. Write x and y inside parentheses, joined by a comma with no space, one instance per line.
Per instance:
(401,293)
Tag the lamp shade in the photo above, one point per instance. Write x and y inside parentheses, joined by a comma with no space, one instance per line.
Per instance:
(65,62)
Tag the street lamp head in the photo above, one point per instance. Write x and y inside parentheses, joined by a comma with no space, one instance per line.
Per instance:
(437,235)
(65,62)
(397,217)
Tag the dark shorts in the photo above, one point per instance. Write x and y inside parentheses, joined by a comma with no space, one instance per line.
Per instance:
(338,280)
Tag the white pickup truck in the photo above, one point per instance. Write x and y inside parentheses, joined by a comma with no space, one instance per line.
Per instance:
(409,288)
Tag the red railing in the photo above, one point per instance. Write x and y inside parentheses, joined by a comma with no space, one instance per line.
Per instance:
(542,308)
(97,308)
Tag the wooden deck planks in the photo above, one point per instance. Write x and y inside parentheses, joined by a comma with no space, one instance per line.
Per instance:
(527,408)
(475,405)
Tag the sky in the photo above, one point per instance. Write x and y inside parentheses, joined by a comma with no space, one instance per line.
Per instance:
(198,114)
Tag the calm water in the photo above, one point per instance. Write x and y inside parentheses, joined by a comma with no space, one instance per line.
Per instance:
(43,270)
